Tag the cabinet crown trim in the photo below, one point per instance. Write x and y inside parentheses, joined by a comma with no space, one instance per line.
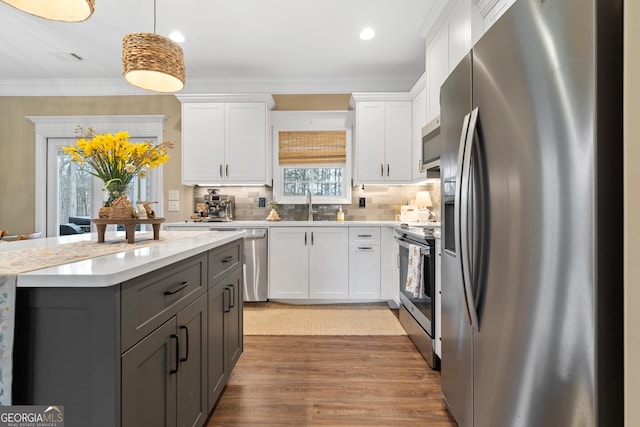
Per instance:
(238,97)
(379,96)
(484,6)
(312,120)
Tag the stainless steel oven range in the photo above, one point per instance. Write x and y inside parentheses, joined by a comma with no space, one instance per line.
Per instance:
(417,306)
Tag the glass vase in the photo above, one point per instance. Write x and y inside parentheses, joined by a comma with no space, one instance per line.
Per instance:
(113,190)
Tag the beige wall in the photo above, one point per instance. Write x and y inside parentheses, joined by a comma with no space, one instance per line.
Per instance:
(335,102)
(17,146)
(631,209)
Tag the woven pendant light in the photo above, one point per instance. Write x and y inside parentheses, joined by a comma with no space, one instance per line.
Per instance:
(56,10)
(152,62)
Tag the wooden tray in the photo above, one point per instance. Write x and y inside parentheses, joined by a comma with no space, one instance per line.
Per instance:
(129,226)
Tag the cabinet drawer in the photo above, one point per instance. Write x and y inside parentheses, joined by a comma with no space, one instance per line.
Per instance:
(148,301)
(223,259)
(364,235)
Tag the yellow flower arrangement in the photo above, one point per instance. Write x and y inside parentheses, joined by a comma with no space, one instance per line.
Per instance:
(114,159)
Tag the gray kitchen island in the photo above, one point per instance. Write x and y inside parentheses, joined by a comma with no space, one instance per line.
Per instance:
(143,337)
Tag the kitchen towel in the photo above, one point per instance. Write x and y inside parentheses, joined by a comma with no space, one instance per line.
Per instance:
(414,271)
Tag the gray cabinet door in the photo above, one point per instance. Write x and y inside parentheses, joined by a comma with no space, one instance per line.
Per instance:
(234,332)
(149,380)
(217,372)
(192,372)
(225,331)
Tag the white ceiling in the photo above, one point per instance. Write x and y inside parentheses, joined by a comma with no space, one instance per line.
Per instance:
(276,46)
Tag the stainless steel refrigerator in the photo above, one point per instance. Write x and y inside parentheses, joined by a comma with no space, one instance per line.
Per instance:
(532,287)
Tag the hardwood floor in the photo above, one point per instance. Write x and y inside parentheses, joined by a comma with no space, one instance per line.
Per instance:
(331,381)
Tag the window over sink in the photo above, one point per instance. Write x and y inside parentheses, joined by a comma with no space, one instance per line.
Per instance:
(315,158)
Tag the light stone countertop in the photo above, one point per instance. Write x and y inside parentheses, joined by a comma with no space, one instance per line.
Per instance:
(109,270)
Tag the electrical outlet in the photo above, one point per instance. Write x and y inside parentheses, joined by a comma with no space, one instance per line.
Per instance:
(262,202)
(174,206)
(174,195)
(362,203)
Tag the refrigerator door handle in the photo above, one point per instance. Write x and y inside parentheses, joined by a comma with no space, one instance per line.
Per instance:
(465,244)
(457,230)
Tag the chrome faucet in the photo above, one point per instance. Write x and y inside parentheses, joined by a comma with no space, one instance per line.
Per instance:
(311,210)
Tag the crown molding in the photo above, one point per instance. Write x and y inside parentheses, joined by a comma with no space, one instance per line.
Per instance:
(230,97)
(418,86)
(118,87)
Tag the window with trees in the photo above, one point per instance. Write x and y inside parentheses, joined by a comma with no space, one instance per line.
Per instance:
(313,162)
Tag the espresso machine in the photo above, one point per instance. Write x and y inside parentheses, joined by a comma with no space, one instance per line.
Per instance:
(218,207)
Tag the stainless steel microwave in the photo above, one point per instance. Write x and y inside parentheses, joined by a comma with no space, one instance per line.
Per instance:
(431,148)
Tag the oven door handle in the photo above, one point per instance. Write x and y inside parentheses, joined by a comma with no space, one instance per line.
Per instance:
(424,250)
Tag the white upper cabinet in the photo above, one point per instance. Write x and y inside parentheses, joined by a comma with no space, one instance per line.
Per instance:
(459,30)
(226,142)
(437,69)
(491,10)
(245,144)
(383,139)
(457,26)
(202,141)
(370,142)
(419,112)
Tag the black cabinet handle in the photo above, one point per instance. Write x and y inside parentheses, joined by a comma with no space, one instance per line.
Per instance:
(312,237)
(228,259)
(226,169)
(177,289)
(186,330)
(364,235)
(227,307)
(221,171)
(305,238)
(387,169)
(233,296)
(381,169)
(364,248)
(175,371)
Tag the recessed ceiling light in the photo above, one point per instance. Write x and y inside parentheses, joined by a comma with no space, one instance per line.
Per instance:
(177,37)
(367,34)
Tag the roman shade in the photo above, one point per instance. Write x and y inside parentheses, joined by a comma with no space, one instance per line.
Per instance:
(312,147)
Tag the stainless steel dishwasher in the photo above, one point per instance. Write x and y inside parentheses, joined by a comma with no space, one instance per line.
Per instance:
(255,262)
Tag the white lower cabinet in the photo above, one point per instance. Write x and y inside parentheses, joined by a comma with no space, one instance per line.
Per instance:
(308,262)
(389,267)
(364,263)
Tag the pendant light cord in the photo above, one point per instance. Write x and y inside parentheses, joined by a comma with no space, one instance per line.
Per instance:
(154,16)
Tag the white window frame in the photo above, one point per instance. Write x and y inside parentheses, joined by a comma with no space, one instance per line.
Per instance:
(292,121)
(148,126)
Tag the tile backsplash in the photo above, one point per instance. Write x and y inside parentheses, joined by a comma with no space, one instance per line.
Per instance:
(381,202)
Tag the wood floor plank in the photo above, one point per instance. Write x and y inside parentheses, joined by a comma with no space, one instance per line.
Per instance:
(331,381)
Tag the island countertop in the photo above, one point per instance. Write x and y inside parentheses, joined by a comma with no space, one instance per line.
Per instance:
(114,268)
